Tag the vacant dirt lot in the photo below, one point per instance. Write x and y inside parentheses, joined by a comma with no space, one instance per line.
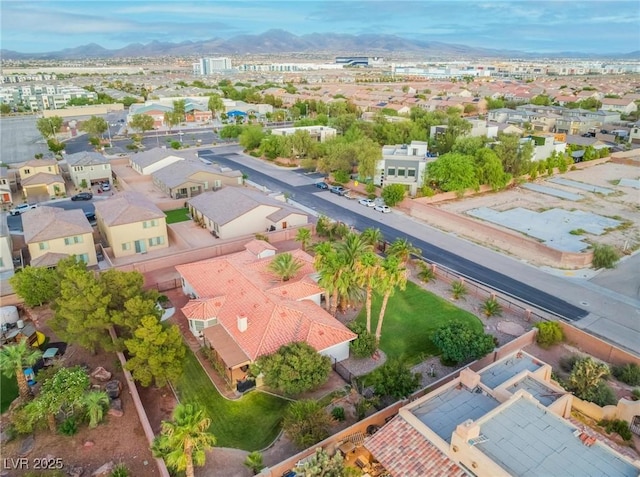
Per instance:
(622,204)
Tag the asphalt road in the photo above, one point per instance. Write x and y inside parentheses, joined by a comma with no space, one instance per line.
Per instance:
(307,195)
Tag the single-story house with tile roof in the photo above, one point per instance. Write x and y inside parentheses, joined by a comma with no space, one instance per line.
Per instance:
(43,185)
(237,211)
(152,160)
(132,224)
(89,166)
(243,311)
(52,233)
(192,177)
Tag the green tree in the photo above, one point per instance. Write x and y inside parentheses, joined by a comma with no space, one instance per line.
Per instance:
(179,109)
(81,315)
(273,147)
(5,108)
(293,369)
(393,194)
(157,352)
(94,126)
(306,423)
(49,127)
(122,286)
(541,100)
(586,376)
(55,146)
(372,236)
(304,237)
(215,104)
(367,273)
(184,441)
(515,158)
(13,359)
(172,118)
(142,122)
(301,144)
(403,249)
(254,462)
(460,342)
(95,403)
(251,136)
(285,266)
(392,276)
(35,285)
(456,127)
(453,172)
(489,169)
(394,378)
(322,465)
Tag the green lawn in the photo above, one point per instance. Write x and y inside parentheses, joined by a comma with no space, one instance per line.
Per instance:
(177,215)
(250,423)
(411,318)
(8,391)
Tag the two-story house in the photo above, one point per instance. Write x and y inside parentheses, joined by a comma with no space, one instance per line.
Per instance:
(6,197)
(52,234)
(132,224)
(41,179)
(403,164)
(88,168)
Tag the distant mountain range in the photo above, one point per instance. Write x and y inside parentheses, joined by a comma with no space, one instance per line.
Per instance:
(281,42)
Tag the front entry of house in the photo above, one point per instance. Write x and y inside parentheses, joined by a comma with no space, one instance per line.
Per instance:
(140,246)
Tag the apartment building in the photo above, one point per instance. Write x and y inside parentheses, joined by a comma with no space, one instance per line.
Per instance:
(39,97)
(207,66)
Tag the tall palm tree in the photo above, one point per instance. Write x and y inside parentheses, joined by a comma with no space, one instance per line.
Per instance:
(304,237)
(185,439)
(367,270)
(352,248)
(393,275)
(325,263)
(403,249)
(94,404)
(285,266)
(13,360)
(372,236)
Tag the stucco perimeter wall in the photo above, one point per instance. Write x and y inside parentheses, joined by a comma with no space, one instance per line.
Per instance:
(596,347)
(628,158)
(91,110)
(500,238)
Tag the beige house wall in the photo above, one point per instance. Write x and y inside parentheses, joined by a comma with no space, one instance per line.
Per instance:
(128,234)
(254,221)
(212,178)
(93,110)
(291,220)
(90,173)
(58,246)
(6,254)
(32,170)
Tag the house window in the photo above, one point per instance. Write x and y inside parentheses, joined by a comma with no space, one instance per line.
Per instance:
(73,240)
(411,172)
(391,171)
(147,224)
(43,245)
(84,257)
(198,325)
(126,246)
(27,171)
(156,241)
(401,172)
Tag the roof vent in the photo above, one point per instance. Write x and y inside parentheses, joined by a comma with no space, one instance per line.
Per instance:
(242,323)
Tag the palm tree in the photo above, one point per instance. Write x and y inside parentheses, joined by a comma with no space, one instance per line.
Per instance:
(254,462)
(367,271)
(352,248)
(393,275)
(304,237)
(372,236)
(13,360)
(403,249)
(94,404)
(184,440)
(285,266)
(324,263)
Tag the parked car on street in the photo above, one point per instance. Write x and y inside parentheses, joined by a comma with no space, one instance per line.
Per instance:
(22,208)
(385,209)
(82,196)
(322,185)
(367,202)
(338,190)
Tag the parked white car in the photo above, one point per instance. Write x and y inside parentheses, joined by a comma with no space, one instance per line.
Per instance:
(385,209)
(22,208)
(367,202)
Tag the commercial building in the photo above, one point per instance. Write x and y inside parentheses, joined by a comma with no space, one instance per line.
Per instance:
(207,66)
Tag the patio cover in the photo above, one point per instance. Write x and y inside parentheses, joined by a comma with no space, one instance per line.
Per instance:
(225,346)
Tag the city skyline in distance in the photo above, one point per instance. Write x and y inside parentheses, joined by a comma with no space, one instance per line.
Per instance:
(593,27)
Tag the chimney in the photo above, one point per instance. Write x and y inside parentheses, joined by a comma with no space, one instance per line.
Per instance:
(242,323)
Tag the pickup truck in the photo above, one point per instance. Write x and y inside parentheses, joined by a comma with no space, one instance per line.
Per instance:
(338,190)
(22,208)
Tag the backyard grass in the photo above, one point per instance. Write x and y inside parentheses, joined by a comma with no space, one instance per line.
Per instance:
(177,215)
(250,423)
(411,318)
(8,391)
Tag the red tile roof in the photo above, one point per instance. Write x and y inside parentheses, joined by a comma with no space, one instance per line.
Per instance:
(404,452)
(277,312)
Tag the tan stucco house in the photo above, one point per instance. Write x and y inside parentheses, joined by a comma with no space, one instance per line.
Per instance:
(189,178)
(237,211)
(6,249)
(148,162)
(131,224)
(52,233)
(40,178)
(6,197)
(89,166)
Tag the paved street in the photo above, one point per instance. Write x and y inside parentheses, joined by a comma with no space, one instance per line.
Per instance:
(613,316)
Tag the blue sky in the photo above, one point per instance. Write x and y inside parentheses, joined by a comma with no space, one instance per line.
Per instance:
(542,26)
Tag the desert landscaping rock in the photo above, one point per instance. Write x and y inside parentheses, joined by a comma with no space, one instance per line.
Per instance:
(104,470)
(75,471)
(88,444)
(510,328)
(27,446)
(115,408)
(113,389)
(101,374)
